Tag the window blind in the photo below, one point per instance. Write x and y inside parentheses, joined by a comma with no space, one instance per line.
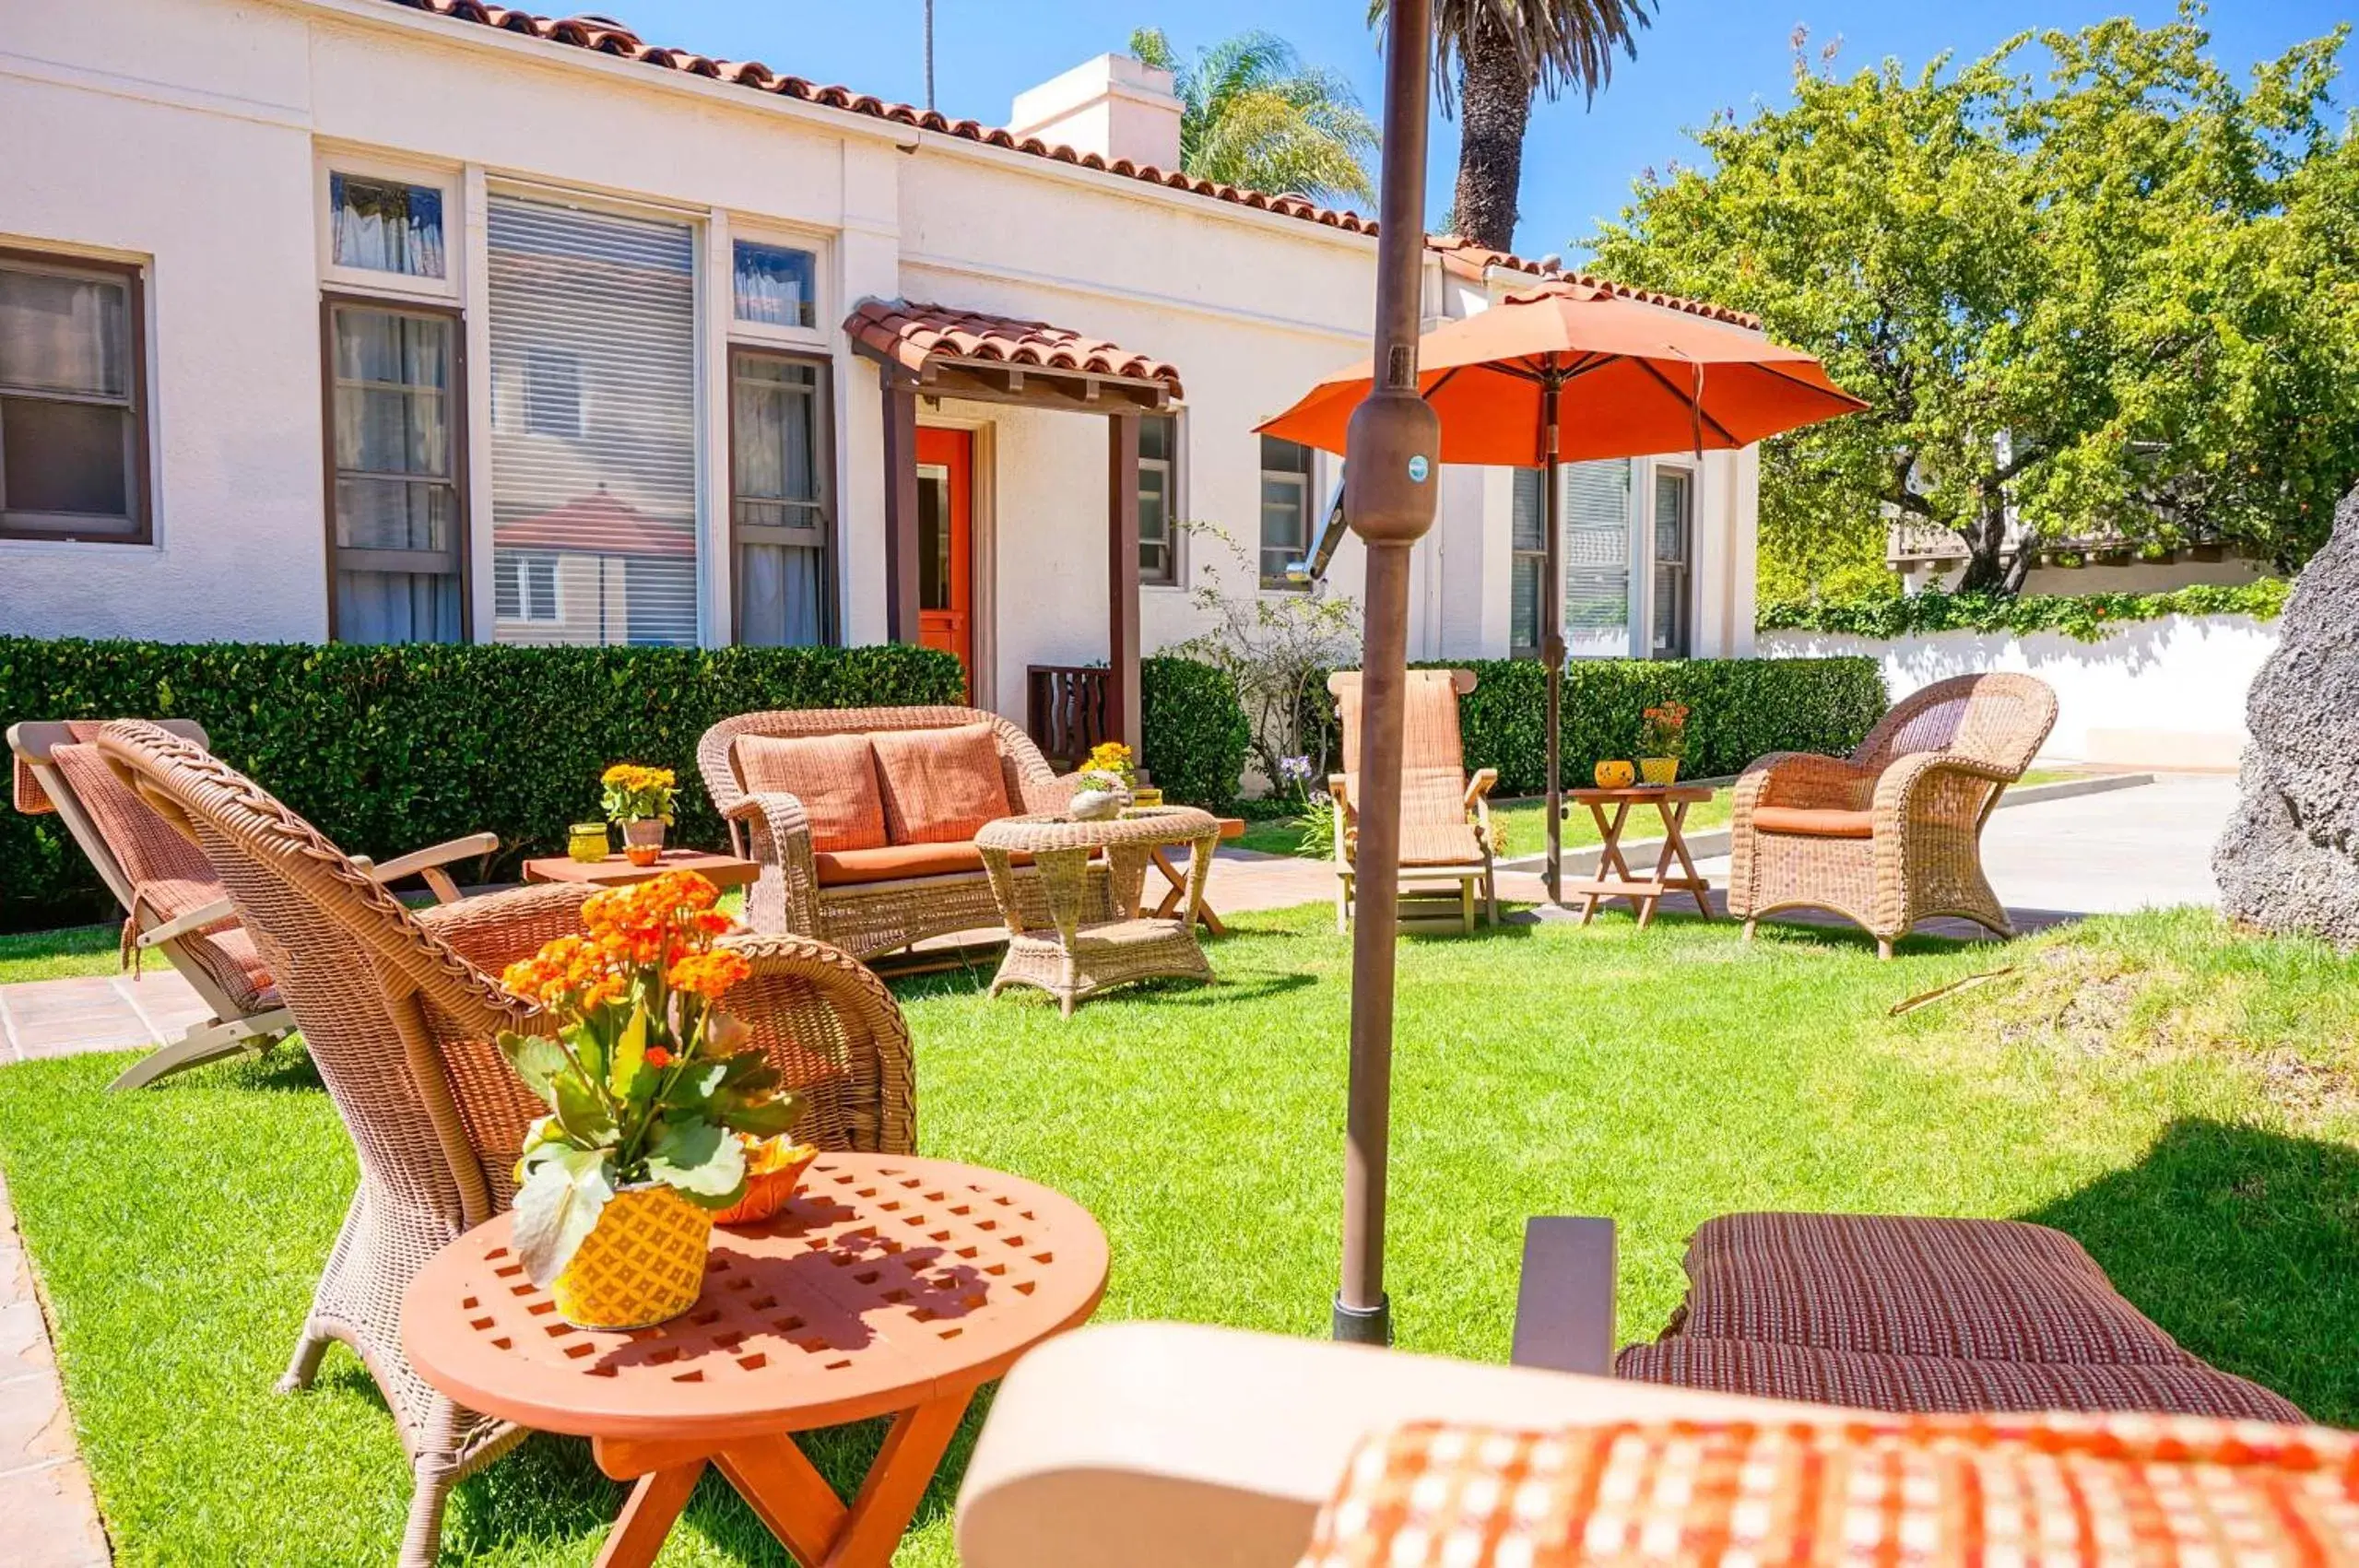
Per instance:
(1596,559)
(593,330)
(1528,543)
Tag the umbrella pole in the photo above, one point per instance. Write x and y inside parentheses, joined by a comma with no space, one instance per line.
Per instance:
(1552,615)
(1389,482)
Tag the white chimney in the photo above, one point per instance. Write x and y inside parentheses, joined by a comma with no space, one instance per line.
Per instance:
(1114,106)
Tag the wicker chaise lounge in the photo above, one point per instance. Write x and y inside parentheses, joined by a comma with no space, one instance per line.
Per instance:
(1892,834)
(400,1011)
(173,903)
(863,820)
(1446,839)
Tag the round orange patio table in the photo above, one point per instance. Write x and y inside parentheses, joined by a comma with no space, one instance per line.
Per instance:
(888,1286)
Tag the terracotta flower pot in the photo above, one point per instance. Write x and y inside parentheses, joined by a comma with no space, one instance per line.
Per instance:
(1616,775)
(642,840)
(641,1264)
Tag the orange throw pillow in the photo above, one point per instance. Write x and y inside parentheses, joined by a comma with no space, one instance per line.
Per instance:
(940,784)
(833,775)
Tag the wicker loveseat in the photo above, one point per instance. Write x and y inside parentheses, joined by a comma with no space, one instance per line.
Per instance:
(1892,834)
(862,818)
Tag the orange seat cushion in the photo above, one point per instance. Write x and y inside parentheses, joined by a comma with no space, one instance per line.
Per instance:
(940,784)
(1814,822)
(892,862)
(833,775)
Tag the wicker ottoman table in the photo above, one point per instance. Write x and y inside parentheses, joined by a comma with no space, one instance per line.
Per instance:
(1072,959)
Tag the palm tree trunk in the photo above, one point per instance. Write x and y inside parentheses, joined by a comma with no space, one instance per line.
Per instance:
(1495,103)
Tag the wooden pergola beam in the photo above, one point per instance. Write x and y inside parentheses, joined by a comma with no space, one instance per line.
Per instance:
(1122,577)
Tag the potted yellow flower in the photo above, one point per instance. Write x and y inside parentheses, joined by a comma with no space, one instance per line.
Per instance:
(653,1099)
(641,799)
(1662,742)
(1102,787)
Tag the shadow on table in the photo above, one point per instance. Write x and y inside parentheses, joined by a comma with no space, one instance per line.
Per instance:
(2244,1245)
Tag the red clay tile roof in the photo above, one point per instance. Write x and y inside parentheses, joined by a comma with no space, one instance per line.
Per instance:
(606,37)
(1469,260)
(909,335)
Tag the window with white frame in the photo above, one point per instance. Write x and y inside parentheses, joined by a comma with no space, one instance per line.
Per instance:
(780,503)
(385,225)
(396,492)
(1528,563)
(1596,507)
(1286,471)
(1159,440)
(73,403)
(774,285)
(1674,552)
(595,410)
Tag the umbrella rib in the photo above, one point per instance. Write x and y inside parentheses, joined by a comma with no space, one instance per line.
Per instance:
(1701,413)
(1835,392)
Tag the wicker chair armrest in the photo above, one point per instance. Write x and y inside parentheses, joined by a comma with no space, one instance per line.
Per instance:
(1339,787)
(821,1013)
(1052,794)
(778,833)
(493,930)
(418,860)
(1910,782)
(1802,779)
(781,814)
(197,919)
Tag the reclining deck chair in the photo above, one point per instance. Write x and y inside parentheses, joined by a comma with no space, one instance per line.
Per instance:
(401,1012)
(1446,833)
(172,902)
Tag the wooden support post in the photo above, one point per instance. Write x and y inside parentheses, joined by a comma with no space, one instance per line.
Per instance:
(901,508)
(1122,577)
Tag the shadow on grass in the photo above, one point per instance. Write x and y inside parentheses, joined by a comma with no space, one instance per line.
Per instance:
(2244,1245)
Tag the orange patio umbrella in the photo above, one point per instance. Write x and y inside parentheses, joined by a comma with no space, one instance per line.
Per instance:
(1569,373)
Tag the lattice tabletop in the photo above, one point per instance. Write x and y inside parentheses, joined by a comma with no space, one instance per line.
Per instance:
(884,1283)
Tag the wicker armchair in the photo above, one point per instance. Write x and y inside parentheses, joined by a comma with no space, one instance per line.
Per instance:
(400,1010)
(869,918)
(1893,834)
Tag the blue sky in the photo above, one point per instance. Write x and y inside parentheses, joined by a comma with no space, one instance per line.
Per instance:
(1700,56)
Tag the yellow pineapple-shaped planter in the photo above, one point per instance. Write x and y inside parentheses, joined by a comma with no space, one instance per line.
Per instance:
(1659,771)
(641,1264)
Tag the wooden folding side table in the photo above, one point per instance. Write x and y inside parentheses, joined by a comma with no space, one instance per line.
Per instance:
(616,870)
(1614,878)
(888,1286)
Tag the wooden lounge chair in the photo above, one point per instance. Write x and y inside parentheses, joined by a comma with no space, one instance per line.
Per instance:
(1446,840)
(1892,834)
(794,785)
(400,1011)
(172,902)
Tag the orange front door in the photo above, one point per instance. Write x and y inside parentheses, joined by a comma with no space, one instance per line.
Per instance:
(945,553)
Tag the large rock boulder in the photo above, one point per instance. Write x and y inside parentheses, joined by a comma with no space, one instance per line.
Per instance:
(2290,858)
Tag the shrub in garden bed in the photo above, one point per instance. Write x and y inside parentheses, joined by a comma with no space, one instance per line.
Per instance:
(2087,618)
(1196,733)
(390,748)
(1739,709)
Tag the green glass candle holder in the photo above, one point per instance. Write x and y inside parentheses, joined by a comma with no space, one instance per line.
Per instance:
(586,842)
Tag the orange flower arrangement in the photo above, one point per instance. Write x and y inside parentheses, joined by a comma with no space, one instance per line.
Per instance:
(644,1077)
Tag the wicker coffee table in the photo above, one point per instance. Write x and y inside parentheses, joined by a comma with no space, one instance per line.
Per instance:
(888,1286)
(1071,959)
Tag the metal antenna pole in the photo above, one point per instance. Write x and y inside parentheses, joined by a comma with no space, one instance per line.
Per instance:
(929,54)
(1389,482)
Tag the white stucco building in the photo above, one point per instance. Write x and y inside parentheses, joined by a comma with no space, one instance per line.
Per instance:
(371,320)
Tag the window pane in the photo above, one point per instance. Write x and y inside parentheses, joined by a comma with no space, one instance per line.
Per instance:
(593,337)
(779,436)
(393,375)
(1523,604)
(1671,516)
(1596,559)
(776,284)
(781,598)
(933,538)
(397,607)
(1157,436)
(65,333)
(65,457)
(1284,456)
(385,226)
(1154,524)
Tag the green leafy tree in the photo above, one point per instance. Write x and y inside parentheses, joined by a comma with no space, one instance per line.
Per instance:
(1492,58)
(1252,114)
(2123,303)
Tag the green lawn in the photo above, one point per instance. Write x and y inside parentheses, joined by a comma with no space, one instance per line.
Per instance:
(51,955)
(2183,1102)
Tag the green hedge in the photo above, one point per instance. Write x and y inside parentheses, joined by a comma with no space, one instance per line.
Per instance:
(2089,617)
(1197,734)
(1740,709)
(390,748)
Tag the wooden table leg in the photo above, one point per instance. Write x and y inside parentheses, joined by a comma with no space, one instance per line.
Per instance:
(1675,829)
(777,1480)
(1608,854)
(655,1502)
(1178,890)
(905,1466)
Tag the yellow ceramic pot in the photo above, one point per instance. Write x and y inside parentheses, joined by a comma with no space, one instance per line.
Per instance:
(1615,775)
(1659,771)
(641,1264)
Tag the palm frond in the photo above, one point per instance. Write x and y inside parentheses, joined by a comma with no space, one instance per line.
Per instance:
(1563,43)
(1252,113)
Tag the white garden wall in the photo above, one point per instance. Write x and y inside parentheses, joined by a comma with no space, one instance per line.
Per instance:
(2166,693)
